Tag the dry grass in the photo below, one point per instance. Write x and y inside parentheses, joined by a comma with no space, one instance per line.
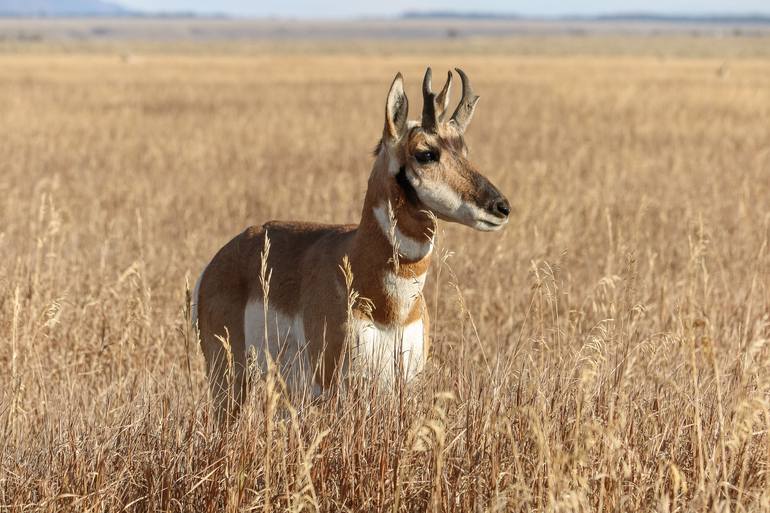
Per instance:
(606,352)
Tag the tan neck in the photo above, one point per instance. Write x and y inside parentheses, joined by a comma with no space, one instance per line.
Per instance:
(392,246)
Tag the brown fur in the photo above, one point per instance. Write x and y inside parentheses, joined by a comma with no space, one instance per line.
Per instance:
(305,261)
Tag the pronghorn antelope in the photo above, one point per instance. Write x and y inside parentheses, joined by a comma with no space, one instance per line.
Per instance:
(421,172)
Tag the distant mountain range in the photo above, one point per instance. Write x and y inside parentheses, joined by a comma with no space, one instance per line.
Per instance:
(60,8)
(97,8)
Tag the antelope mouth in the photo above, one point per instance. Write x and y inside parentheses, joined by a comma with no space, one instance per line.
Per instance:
(490,225)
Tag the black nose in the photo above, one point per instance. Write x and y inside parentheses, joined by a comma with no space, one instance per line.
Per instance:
(501,207)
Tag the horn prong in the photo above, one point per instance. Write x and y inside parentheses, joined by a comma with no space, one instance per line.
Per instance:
(464,111)
(427,85)
(442,100)
(429,120)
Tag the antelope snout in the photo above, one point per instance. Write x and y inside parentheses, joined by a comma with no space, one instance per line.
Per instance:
(500,207)
(492,214)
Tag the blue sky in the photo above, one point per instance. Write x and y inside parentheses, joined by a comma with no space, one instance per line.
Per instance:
(341,8)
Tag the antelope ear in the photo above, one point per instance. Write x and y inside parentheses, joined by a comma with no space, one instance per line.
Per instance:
(396,110)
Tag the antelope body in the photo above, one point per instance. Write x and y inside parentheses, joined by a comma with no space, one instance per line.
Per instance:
(421,172)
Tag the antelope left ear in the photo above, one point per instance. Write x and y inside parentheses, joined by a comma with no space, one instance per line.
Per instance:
(396,110)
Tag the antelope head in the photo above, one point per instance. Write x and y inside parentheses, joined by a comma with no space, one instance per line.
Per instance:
(429,159)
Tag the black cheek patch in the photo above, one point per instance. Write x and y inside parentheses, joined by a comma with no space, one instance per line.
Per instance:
(403,183)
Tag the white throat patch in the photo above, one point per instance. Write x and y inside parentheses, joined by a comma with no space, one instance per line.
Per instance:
(408,247)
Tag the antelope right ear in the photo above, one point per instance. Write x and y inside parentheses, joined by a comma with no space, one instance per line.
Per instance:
(396,110)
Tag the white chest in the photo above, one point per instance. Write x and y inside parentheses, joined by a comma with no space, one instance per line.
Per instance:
(384,352)
(403,292)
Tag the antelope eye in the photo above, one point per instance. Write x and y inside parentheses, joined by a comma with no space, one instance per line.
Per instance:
(423,157)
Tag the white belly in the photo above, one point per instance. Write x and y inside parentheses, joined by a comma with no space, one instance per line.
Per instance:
(285,343)
(379,352)
(385,352)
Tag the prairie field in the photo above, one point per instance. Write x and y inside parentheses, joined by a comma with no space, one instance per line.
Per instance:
(609,350)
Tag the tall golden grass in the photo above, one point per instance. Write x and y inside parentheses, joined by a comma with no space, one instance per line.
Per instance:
(608,351)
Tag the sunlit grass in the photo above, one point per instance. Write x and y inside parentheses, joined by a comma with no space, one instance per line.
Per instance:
(606,351)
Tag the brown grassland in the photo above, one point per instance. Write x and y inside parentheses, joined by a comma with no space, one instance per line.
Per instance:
(607,351)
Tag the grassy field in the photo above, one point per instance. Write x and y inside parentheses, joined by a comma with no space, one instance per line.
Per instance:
(608,351)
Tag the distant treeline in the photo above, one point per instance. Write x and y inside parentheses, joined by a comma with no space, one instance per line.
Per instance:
(754,18)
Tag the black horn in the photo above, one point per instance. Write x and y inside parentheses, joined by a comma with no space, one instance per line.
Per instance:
(429,120)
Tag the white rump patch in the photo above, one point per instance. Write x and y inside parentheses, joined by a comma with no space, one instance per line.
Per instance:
(286,345)
(377,351)
(408,247)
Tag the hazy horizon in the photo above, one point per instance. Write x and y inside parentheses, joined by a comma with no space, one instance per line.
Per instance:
(343,9)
